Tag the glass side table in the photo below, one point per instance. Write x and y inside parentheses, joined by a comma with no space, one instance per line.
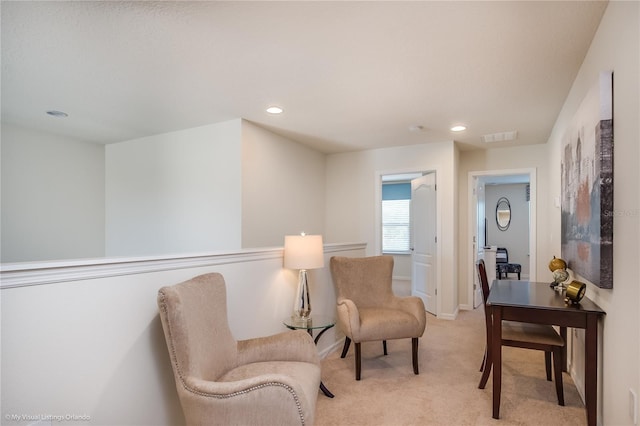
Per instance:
(316,322)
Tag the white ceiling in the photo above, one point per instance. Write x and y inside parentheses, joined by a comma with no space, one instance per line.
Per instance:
(349,75)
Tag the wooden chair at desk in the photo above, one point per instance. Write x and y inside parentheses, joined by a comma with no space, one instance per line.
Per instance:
(522,335)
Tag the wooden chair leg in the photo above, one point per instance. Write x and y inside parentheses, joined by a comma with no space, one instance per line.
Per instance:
(557,369)
(414,354)
(345,348)
(487,364)
(547,364)
(485,376)
(384,346)
(358,363)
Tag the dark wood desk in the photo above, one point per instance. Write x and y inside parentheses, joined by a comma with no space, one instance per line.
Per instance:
(536,302)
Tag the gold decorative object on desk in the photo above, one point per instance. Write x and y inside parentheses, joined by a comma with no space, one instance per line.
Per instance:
(575,292)
(560,274)
(557,263)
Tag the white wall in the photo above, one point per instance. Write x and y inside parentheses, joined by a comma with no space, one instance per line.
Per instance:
(207,188)
(283,188)
(352,182)
(52,196)
(515,238)
(402,266)
(177,192)
(616,47)
(92,345)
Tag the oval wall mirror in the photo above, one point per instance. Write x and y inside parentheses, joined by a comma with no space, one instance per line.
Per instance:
(503,214)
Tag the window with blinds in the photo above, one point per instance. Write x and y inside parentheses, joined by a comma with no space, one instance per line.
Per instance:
(396,218)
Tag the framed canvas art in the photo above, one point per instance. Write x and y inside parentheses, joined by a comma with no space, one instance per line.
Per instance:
(587,186)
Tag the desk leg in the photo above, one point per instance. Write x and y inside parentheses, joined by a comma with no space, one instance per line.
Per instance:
(591,369)
(496,355)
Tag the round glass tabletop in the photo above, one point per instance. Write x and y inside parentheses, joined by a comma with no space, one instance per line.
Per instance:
(314,322)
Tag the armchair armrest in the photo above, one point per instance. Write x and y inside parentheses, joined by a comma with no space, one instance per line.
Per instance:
(414,306)
(349,318)
(268,398)
(294,345)
(228,389)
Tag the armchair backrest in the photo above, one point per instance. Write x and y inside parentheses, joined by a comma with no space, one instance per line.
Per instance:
(194,319)
(365,280)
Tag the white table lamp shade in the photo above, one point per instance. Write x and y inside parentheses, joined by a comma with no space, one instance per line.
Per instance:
(303,252)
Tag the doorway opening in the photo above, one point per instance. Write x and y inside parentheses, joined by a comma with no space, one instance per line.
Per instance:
(406,228)
(488,191)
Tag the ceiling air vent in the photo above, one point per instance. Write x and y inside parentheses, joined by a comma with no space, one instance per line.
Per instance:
(500,137)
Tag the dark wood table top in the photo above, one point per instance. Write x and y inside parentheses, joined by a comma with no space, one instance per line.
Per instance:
(536,295)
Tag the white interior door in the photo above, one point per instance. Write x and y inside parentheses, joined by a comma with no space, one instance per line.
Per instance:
(478,240)
(424,251)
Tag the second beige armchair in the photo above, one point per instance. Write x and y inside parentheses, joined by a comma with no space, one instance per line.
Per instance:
(271,380)
(368,310)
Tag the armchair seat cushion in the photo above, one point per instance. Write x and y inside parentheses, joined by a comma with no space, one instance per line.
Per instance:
(387,324)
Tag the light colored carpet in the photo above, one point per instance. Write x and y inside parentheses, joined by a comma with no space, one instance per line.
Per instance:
(446,390)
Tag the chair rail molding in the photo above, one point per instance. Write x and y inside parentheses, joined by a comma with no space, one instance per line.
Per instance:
(24,274)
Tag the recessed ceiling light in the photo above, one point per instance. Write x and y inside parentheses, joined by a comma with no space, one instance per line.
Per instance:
(274,109)
(416,128)
(57,114)
(458,128)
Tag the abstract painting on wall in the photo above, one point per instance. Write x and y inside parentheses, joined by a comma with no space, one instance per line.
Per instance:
(587,186)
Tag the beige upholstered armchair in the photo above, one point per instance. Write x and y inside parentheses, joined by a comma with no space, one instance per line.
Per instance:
(369,311)
(264,381)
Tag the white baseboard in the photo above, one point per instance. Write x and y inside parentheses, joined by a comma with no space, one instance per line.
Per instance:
(452,316)
(331,349)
